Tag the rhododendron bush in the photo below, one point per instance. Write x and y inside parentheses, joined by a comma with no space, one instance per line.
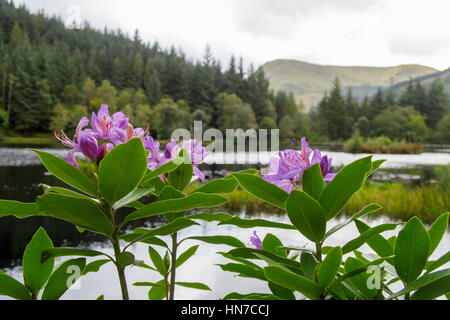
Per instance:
(125,165)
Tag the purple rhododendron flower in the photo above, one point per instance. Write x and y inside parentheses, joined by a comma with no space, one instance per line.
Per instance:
(256,241)
(287,168)
(74,144)
(110,128)
(324,163)
(197,154)
(154,158)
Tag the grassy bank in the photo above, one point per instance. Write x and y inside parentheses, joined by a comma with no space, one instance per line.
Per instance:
(398,201)
(357,144)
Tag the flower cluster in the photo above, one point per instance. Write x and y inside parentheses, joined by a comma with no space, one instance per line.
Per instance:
(113,130)
(288,167)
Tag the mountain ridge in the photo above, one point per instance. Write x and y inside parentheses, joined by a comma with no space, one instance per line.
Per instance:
(308,81)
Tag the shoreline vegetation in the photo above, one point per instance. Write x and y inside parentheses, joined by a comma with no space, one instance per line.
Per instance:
(382,144)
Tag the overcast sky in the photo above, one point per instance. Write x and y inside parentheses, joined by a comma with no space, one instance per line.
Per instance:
(338,32)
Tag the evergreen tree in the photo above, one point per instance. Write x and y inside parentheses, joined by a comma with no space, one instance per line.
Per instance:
(436,103)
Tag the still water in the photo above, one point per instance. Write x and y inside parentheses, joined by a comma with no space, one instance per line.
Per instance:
(21,173)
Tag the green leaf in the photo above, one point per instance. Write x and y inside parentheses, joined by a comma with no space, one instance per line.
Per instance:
(244,270)
(348,180)
(253,223)
(423,281)
(224,185)
(378,243)
(12,288)
(81,212)
(312,181)
(142,235)
(366,210)
(193,285)
(411,250)
(250,296)
(309,263)
(367,235)
(182,258)
(64,191)
(193,201)
(306,215)
(165,168)
(158,262)
(262,189)
(280,292)
(437,231)
(433,265)
(67,173)
(156,183)
(292,281)
(64,252)
(249,253)
(375,166)
(18,209)
(272,244)
(182,175)
(158,291)
(167,193)
(210,217)
(329,267)
(126,258)
(359,280)
(433,290)
(219,239)
(101,297)
(94,266)
(63,278)
(134,195)
(121,170)
(35,272)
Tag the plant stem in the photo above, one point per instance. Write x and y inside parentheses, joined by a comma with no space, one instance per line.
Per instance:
(174,265)
(120,268)
(319,251)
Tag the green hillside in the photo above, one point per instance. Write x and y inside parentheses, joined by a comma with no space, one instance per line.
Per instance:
(309,81)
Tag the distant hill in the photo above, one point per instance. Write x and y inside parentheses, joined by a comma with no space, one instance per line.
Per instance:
(426,81)
(309,81)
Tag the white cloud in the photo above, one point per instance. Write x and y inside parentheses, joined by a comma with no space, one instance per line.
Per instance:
(346,32)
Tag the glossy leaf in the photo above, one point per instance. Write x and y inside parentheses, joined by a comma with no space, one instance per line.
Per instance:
(423,281)
(411,250)
(312,181)
(211,216)
(12,288)
(433,265)
(157,292)
(437,231)
(182,258)
(63,278)
(224,185)
(359,280)
(292,281)
(67,173)
(219,239)
(433,290)
(366,236)
(182,175)
(193,201)
(193,285)
(64,252)
(18,209)
(81,212)
(168,193)
(134,195)
(378,243)
(165,168)
(329,267)
(306,215)
(95,266)
(262,189)
(35,272)
(121,170)
(347,181)
(272,244)
(157,260)
(309,263)
(253,223)
(244,270)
